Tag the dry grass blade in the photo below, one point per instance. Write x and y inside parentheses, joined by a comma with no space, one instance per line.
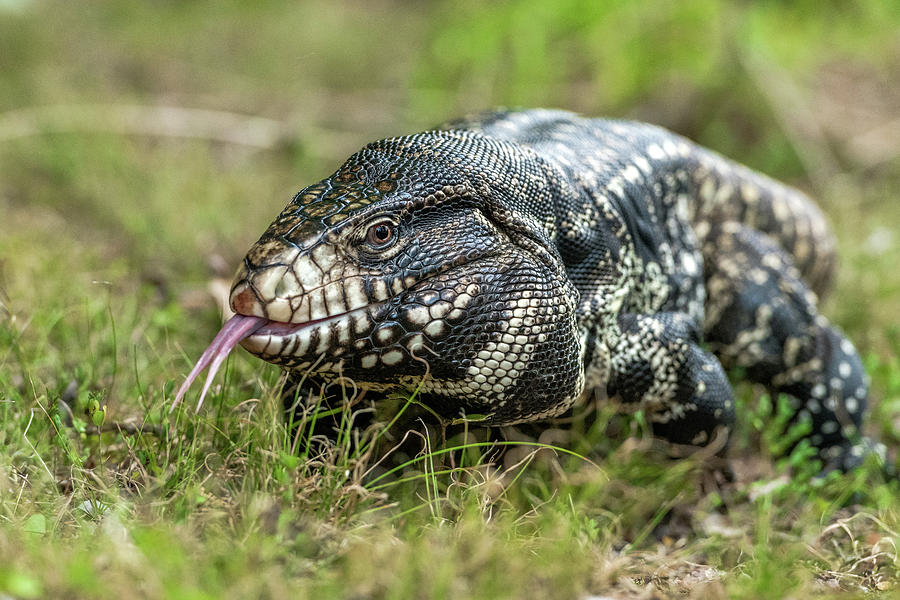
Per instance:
(157,121)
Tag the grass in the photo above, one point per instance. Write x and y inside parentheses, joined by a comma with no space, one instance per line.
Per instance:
(117,233)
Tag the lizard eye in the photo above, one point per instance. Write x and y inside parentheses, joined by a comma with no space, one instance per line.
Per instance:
(380,234)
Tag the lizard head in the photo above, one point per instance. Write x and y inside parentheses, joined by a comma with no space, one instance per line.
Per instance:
(427,255)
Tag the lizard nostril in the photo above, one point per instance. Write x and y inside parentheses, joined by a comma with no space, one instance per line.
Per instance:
(246,303)
(281,290)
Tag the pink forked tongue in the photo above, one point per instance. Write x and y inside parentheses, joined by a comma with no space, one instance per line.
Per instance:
(233,331)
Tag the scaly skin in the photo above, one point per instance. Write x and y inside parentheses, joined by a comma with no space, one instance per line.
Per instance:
(523,259)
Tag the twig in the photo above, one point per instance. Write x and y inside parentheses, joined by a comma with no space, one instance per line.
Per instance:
(160,121)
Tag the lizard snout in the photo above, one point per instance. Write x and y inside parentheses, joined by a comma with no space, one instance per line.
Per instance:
(265,292)
(244,301)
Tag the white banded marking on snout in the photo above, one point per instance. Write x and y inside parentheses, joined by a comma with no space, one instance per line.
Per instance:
(304,340)
(334,298)
(288,286)
(331,334)
(362,322)
(380,290)
(326,340)
(325,258)
(316,302)
(355,293)
(342,327)
(397,285)
(267,283)
(276,281)
(309,275)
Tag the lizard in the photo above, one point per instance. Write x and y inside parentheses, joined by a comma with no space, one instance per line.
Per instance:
(512,262)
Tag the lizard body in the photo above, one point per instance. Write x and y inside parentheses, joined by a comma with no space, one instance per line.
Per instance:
(524,259)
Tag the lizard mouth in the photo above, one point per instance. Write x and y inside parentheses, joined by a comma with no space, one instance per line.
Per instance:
(256,334)
(274,338)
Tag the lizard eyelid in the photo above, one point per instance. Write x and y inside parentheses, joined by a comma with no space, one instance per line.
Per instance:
(381,234)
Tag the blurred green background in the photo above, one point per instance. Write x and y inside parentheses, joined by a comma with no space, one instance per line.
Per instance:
(144,145)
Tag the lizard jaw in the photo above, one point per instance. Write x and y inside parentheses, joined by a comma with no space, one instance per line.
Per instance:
(333,334)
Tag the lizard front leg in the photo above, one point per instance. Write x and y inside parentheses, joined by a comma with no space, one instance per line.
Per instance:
(658,366)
